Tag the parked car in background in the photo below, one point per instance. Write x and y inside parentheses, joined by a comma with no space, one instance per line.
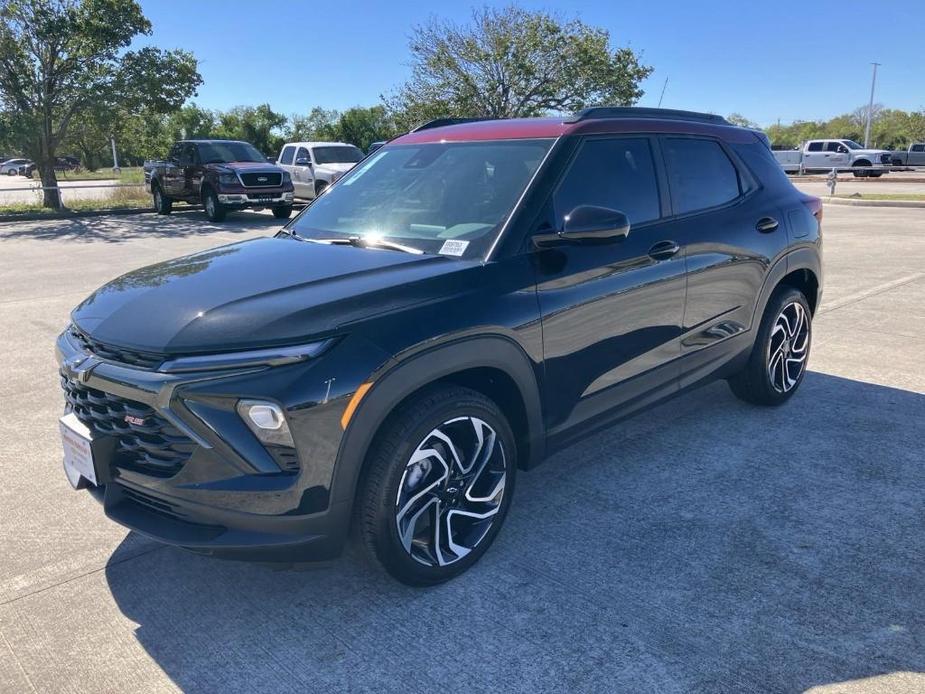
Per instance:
(67,163)
(843,155)
(223,175)
(464,302)
(27,170)
(11,166)
(316,165)
(914,156)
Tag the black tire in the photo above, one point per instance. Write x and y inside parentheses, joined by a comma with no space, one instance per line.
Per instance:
(754,382)
(282,212)
(162,204)
(12,172)
(215,210)
(394,487)
(875,174)
(861,174)
(320,187)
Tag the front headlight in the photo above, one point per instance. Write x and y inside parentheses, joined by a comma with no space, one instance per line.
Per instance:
(287,178)
(228,179)
(274,356)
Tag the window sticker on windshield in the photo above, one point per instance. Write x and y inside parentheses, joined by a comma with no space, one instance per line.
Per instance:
(453,247)
(366,167)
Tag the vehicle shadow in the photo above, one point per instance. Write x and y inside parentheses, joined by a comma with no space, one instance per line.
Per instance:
(703,546)
(116,229)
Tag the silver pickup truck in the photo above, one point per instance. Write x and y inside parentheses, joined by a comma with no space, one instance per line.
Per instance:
(843,155)
(914,156)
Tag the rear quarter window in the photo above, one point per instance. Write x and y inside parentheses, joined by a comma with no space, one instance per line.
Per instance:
(700,174)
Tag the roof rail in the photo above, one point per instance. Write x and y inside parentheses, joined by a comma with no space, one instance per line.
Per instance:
(640,112)
(441,122)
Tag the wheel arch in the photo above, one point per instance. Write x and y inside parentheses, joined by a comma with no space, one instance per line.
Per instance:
(800,269)
(495,366)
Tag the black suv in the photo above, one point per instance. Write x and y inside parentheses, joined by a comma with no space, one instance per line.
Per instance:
(467,299)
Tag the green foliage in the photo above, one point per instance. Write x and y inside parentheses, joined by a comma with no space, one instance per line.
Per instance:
(66,60)
(890,128)
(510,62)
(260,125)
(739,119)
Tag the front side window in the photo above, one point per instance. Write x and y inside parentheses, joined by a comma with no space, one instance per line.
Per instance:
(918,148)
(835,147)
(224,152)
(286,156)
(337,154)
(700,174)
(618,173)
(302,154)
(425,195)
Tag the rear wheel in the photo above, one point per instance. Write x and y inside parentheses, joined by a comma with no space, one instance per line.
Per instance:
(282,212)
(162,204)
(215,211)
(778,360)
(437,486)
(320,187)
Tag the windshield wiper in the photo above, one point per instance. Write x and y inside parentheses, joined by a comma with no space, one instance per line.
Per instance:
(366,242)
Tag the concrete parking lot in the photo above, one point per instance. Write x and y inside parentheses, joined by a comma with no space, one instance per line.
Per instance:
(704,546)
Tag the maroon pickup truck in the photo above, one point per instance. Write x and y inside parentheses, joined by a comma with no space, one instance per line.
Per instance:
(223,175)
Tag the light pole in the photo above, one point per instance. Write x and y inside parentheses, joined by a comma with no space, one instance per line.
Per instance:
(115,161)
(870,106)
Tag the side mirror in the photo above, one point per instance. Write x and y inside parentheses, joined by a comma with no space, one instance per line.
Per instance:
(271,160)
(588,223)
(302,161)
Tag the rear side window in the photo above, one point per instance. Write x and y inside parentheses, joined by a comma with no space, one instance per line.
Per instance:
(700,174)
(286,156)
(618,173)
(815,146)
(918,148)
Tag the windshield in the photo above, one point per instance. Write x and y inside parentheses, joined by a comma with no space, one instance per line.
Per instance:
(337,154)
(223,152)
(851,144)
(446,198)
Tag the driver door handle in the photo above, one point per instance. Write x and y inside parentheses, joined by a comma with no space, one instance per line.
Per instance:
(663,250)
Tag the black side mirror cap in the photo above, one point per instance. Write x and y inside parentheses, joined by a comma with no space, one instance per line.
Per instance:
(588,223)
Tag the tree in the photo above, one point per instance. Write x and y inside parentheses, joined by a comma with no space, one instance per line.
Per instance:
(361,126)
(259,125)
(60,57)
(739,119)
(319,124)
(511,62)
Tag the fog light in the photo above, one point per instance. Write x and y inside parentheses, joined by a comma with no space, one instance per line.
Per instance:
(267,421)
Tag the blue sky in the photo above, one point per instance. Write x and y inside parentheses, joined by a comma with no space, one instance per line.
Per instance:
(766,60)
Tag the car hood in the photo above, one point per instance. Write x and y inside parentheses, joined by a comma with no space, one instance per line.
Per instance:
(869,152)
(260,293)
(334,168)
(243,166)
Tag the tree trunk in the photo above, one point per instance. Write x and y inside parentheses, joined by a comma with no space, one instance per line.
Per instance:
(51,196)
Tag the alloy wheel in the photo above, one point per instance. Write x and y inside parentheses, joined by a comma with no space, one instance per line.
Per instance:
(450,491)
(788,347)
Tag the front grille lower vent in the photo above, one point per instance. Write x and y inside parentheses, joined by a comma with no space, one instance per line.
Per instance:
(147,442)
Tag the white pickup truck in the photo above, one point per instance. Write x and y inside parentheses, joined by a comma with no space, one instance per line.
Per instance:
(316,165)
(843,155)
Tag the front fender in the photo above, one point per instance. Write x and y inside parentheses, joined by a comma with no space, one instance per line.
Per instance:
(396,381)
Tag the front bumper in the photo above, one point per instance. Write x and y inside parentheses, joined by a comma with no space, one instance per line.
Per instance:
(230,497)
(252,199)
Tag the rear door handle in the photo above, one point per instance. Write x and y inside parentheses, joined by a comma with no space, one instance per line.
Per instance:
(663,250)
(766,225)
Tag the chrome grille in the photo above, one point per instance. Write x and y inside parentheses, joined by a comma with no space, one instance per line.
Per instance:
(261,180)
(147,442)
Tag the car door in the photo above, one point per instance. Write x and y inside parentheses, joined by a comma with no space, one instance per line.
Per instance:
(814,155)
(611,312)
(837,155)
(732,229)
(303,179)
(172,171)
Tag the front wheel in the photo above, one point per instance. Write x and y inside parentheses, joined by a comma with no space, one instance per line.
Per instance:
(162,204)
(437,486)
(215,211)
(777,364)
(282,212)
